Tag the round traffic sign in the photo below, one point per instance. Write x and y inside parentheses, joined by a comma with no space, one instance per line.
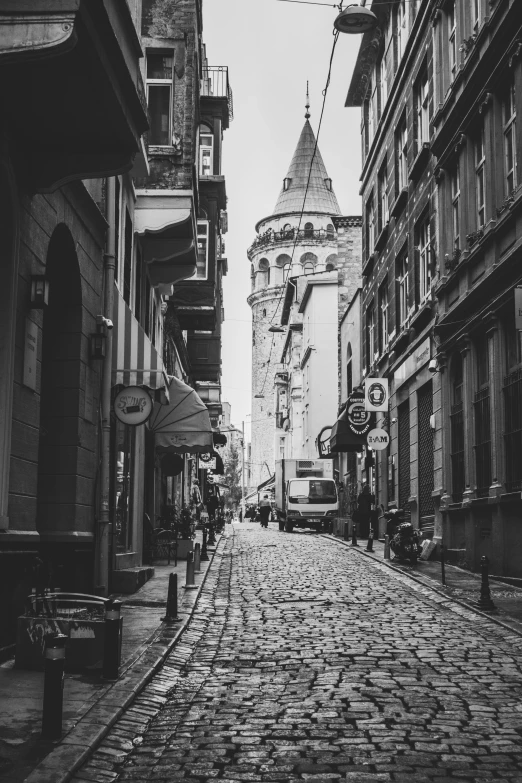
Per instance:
(378,439)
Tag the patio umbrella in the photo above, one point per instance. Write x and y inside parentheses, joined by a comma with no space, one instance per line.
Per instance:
(183,426)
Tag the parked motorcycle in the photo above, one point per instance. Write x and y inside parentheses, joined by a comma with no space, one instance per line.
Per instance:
(405,540)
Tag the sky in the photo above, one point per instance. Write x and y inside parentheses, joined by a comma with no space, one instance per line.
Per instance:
(272,49)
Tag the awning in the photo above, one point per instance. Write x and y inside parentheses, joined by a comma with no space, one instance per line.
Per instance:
(135,361)
(219,439)
(342,439)
(166,222)
(268,484)
(182,426)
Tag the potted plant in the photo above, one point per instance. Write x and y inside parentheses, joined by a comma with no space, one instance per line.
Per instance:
(184,531)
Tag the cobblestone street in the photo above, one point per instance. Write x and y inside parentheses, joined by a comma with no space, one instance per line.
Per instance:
(306,660)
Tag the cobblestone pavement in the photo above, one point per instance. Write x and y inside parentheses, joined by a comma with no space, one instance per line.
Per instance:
(306,661)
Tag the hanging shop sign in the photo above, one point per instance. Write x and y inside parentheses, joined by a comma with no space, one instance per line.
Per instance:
(518,307)
(359,419)
(207,462)
(133,405)
(376,394)
(378,439)
(323,443)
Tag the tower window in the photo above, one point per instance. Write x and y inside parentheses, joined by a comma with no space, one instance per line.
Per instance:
(264,312)
(286,183)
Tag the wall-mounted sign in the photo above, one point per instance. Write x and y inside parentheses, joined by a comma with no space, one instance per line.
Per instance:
(378,439)
(133,405)
(518,307)
(207,462)
(359,420)
(323,443)
(376,394)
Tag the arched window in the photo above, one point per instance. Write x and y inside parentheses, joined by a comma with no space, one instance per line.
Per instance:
(330,231)
(308,261)
(309,230)
(268,276)
(308,269)
(206,150)
(331,262)
(457,429)
(252,276)
(349,376)
(330,267)
(264,312)
(264,268)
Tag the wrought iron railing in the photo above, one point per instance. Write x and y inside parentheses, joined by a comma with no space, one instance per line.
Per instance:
(291,235)
(482,442)
(513,430)
(458,480)
(215,84)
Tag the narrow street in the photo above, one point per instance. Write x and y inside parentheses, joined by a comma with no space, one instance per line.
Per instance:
(307,661)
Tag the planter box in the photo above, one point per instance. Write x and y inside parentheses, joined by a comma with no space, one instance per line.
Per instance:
(185,545)
(83,649)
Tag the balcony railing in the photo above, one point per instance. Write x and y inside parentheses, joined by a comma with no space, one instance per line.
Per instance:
(291,235)
(215,84)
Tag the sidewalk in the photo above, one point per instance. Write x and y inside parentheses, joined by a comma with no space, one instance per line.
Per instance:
(90,705)
(461,586)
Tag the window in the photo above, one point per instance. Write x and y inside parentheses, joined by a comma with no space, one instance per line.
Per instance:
(400,28)
(401,155)
(475,11)
(309,230)
(349,370)
(509,123)
(424,255)
(452,41)
(455,202)
(127,258)
(383,81)
(382,195)
(383,316)
(370,226)
(160,86)
(372,110)
(117,218)
(201,272)
(308,268)
(206,151)
(370,335)
(482,417)
(402,291)
(480,182)
(457,429)
(139,274)
(422,119)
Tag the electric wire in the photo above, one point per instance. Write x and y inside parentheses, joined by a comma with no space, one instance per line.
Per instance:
(325,91)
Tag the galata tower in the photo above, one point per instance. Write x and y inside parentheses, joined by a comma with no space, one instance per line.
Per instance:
(298,238)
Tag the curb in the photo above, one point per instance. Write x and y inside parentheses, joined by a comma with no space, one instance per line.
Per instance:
(78,744)
(448,598)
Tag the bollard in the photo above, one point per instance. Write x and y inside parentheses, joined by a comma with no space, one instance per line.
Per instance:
(171,615)
(197,558)
(442,565)
(369,545)
(204,554)
(387,547)
(485,603)
(111,651)
(211,535)
(346,531)
(53,686)
(354,535)
(190,584)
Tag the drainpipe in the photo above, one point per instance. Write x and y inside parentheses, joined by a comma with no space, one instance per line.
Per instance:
(101,578)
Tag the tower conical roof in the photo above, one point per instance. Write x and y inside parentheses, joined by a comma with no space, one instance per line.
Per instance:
(319,198)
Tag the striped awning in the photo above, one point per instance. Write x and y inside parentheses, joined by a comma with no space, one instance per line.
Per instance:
(135,361)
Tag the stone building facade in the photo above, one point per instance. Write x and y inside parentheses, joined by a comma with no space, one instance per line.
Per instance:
(297,239)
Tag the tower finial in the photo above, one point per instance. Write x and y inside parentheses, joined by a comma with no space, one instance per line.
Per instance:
(307,115)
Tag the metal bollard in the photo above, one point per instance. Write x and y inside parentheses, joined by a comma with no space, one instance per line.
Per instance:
(111,651)
(442,565)
(485,603)
(369,545)
(53,686)
(171,615)
(354,535)
(387,547)
(211,535)
(197,558)
(204,554)
(346,532)
(190,584)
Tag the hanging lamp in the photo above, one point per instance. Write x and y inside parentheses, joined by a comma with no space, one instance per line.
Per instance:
(355,19)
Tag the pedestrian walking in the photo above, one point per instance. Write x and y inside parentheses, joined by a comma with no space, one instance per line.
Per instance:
(364,508)
(265,509)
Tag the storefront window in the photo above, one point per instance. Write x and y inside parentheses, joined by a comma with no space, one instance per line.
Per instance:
(123,486)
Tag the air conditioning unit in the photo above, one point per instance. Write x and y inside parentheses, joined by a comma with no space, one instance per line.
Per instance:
(314,466)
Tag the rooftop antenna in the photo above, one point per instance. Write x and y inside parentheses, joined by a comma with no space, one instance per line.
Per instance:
(307,106)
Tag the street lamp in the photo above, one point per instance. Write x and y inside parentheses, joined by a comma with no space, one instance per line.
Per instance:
(355,19)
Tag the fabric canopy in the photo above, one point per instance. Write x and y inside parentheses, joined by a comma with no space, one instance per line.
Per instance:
(183,426)
(342,439)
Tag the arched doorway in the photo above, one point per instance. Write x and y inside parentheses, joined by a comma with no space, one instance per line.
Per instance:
(64,497)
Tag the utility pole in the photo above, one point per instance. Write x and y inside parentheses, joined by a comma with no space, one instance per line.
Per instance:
(243,469)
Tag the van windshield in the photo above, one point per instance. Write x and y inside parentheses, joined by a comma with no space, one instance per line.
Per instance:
(312,491)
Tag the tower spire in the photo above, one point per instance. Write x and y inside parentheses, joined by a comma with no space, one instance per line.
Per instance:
(307,106)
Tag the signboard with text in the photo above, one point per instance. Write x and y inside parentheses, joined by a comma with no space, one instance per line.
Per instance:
(133,405)
(358,418)
(378,439)
(376,394)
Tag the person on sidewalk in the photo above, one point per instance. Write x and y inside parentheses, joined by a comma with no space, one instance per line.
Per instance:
(265,509)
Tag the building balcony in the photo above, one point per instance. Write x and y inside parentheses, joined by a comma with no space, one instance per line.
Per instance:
(271,238)
(195,303)
(72,94)
(215,92)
